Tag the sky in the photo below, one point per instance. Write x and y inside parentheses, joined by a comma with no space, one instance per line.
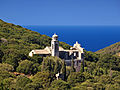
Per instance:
(60,12)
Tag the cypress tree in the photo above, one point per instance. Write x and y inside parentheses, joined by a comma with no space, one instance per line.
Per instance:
(72,66)
(82,67)
(64,70)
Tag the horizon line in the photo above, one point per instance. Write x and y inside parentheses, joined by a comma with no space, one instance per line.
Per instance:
(69,25)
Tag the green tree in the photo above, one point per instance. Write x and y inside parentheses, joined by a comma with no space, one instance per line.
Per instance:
(43,78)
(98,71)
(5,74)
(1,55)
(99,86)
(76,77)
(36,59)
(35,68)
(105,79)
(6,67)
(82,67)
(114,86)
(59,85)
(51,64)
(8,83)
(109,61)
(72,66)
(21,81)
(64,45)
(5,79)
(10,58)
(91,56)
(33,86)
(64,70)
(25,67)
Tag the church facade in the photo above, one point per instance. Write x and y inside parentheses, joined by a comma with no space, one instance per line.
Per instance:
(76,52)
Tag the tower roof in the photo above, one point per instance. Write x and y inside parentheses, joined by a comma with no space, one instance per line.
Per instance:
(77,44)
(55,35)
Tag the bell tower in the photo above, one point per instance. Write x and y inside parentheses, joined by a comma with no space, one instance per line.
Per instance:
(55,45)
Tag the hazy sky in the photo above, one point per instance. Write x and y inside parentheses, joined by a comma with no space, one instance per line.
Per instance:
(61,12)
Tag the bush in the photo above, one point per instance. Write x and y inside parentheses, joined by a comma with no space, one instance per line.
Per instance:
(33,86)
(59,85)
(43,78)
(6,67)
(1,55)
(25,67)
(21,81)
(5,74)
(75,77)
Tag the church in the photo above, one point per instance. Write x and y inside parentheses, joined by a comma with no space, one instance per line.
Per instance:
(74,53)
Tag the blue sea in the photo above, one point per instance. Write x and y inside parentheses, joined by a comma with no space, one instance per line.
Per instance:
(92,38)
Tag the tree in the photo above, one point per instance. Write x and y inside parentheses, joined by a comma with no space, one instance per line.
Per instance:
(68,71)
(6,79)
(109,61)
(8,83)
(43,78)
(35,68)
(59,85)
(36,59)
(64,70)
(13,56)
(98,71)
(5,74)
(91,66)
(33,86)
(115,86)
(52,64)
(98,86)
(25,67)
(1,55)
(87,83)
(105,79)
(21,81)
(76,77)
(82,67)
(10,58)
(91,56)
(72,66)
(64,45)
(6,67)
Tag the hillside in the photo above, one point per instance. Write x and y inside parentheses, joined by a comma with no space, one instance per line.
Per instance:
(113,49)
(18,71)
(19,35)
(16,41)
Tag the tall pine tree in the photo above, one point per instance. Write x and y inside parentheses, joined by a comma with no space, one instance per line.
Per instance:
(72,66)
(82,67)
(64,71)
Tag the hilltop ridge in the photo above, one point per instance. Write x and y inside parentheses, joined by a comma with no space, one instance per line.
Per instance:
(113,49)
(10,31)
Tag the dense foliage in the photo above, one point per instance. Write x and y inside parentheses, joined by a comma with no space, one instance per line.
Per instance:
(113,49)
(99,71)
(51,64)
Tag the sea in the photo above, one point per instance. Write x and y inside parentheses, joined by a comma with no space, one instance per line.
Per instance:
(91,38)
